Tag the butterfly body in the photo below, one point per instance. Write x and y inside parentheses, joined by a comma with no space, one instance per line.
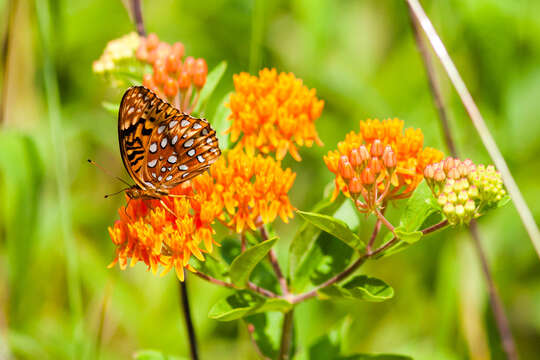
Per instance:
(160,146)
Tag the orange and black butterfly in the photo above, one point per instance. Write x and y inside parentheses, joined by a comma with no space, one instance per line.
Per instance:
(160,146)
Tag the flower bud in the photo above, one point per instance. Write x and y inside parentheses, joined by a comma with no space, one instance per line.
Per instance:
(442,199)
(429,172)
(377,148)
(178,50)
(170,88)
(368,178)
(448,164)
(439,175)
(355,186)
(160,75)
(189,64)
(345,168)
(470,207)
(364,153)
(152,41)
(463,196)
(354,157)
(376,165)
(172,62)
(184,80)
(389,157)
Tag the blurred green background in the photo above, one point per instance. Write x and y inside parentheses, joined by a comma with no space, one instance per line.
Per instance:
(361,57)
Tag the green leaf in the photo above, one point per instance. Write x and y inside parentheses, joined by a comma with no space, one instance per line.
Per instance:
(335,227)
(210,266)
(360,287)
(266,332)
(243,303)
(220,122)
(243,265)
(419,207)
(329,346)
(410,237)
(213,78)
(154,355)
(300,260)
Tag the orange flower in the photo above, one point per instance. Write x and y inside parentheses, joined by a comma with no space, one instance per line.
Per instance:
(252,188)
(166,237)
(382,153)
(273,113)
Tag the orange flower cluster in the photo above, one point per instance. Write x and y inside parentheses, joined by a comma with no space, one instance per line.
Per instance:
(253,189)
(381,162)
(273,113)
(242,191)
(171,75)
(168,236)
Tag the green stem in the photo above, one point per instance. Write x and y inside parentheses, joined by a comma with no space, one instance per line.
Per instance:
(257,30)
(61,174)
(286,335)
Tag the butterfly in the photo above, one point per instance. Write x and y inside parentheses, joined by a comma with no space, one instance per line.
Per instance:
(160,146)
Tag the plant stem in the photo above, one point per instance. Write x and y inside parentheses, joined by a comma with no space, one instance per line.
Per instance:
(275,264)
(251,286)
(62,175)
(495,301)
(137,15)
(184,303)
(435,227)
(374,234)
(286,335)
(335,279)
(476,117)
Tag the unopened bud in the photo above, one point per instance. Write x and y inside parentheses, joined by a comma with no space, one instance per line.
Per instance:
(355,186)
(345,168)
(389,157)
(368,178)
(354,158)
(376,165)
(364,153)
(377,148)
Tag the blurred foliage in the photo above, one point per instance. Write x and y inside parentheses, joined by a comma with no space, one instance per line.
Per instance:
(361,57)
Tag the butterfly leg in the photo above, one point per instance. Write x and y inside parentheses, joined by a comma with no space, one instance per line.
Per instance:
(167,208)
(180,196)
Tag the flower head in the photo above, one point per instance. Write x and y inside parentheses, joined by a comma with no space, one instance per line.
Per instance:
(119,55)
(464,190)
(273,113)
(166,236)
(253,189)
(381,162)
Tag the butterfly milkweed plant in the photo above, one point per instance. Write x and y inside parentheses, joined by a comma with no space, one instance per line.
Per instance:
(220,225)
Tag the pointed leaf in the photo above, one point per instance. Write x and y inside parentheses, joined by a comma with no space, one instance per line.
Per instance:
(243,303)
(213,78)
(301,262)
(419,207)
(410,237)
(244,264)
(335,227)
(360,287)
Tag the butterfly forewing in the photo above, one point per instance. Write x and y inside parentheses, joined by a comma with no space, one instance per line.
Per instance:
(160,146)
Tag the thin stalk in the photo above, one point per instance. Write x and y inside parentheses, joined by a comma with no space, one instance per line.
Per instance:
(495,301)
(286,335)
(61,174)
(476,117)
(184,303)
(250,285)
(501,320)
(257,30)
(275,264)
(137,15)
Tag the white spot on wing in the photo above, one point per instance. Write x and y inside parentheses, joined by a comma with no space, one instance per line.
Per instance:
(154,175)
(153,147)
(173,124)
(200,158)
(163,143)
(161,129)
(188,143)
(191,152)
(184,123)
(160,177)
(168,177)
(184,175)
(197,126)
(172,159)
(204,132)
(163,169)
(174,139)
(131,109)
(182,167)
(152,163)
(209,141)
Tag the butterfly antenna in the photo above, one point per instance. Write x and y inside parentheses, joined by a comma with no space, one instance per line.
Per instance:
(116,193)
(108,173)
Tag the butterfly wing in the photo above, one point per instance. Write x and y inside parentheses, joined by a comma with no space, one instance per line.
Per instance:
(180,149)
(160,146)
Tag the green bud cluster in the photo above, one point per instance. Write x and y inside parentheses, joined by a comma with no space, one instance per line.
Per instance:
(463,190)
